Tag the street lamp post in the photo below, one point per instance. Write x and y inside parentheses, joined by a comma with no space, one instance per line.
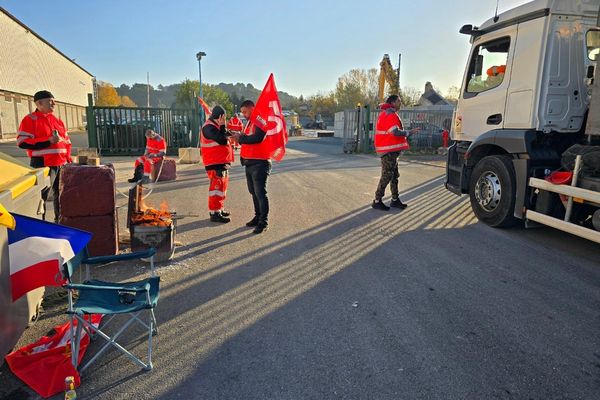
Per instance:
(199,56)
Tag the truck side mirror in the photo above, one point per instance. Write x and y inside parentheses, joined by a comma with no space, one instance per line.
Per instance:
(466,29)
(470,30)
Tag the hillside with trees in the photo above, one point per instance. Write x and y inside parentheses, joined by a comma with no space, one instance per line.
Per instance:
(353,87)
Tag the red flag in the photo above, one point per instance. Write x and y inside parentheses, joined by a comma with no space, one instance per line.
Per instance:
(45,364)
(267,116)
(207,110)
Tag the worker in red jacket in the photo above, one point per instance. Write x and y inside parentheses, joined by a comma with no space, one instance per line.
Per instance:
(47,143)
(156,147)
(217,156)
(390,140)
(255,156)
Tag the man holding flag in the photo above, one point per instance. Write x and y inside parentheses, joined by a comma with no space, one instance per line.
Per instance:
(264,138)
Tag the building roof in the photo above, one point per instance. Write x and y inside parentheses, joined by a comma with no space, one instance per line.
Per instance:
(431,97)
(43,40)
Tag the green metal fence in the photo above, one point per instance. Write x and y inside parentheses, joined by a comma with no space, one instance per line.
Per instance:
(121,130)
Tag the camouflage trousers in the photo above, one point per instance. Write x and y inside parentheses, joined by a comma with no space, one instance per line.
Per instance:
(389,175)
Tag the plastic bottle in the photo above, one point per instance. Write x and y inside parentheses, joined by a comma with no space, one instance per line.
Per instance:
(70,388)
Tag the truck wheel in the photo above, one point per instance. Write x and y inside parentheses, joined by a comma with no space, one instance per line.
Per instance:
(492,191)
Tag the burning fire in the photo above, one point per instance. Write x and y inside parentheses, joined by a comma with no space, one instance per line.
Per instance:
(152,216)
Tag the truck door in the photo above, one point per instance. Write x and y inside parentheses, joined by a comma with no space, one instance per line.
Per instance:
(483,98)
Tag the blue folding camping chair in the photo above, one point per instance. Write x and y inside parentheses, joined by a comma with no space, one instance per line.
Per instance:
(111,299)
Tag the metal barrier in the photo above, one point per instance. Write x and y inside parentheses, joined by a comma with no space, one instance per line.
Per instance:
(121,130)
(432,124)
(359,128)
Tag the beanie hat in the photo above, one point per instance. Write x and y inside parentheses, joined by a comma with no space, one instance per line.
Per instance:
(42,94)
(217,111)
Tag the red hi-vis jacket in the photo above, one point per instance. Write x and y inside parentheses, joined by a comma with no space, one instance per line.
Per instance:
(212,152)
(37,127)
(385,140)
(156,145)
(255,151)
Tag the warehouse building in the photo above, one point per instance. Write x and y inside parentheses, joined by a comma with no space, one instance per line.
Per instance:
(29,63)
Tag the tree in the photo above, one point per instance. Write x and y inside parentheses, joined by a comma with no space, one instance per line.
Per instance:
(189,89)
(357,86)
(453,93)
(107,95)
(322,104)
(410,96)
(127,102)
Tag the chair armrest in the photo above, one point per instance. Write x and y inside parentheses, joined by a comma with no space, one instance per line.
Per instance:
(120,257)
(83,286)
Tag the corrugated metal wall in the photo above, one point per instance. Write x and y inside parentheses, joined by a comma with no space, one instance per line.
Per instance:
(13,107)
(28,64)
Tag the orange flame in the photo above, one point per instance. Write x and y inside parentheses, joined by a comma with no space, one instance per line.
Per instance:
(152,216)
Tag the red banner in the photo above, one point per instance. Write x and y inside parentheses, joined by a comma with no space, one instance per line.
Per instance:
(268,116)
(207,110)
(45,364)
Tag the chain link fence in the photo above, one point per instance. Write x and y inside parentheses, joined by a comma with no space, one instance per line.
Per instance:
(357,128)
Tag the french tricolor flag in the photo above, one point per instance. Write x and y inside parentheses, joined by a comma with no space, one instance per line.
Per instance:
(37,250)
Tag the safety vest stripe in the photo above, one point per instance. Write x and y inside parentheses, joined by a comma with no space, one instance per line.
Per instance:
(23,136)
(389,131)
(217,193)
(210,143)
(44,152)
(391,147)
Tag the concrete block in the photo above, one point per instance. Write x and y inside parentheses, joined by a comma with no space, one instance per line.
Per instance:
(87,152)
(104,228)
(86,190)
(168,173)
(189,155)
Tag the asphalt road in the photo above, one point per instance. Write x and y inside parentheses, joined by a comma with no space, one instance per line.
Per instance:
(340,301)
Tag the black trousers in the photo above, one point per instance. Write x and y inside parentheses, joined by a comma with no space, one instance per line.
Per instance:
(52,190)
(256,178)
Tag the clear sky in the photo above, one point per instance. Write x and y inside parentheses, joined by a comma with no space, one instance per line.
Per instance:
(307,44)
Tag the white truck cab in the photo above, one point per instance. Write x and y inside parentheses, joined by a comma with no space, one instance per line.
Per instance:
(525,99)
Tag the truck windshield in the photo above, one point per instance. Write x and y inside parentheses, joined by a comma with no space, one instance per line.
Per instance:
(593,44)
(488,65)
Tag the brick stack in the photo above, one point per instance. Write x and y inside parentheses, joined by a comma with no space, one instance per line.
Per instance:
(87,202)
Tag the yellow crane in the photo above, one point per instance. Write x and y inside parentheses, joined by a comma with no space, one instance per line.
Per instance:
(387,74)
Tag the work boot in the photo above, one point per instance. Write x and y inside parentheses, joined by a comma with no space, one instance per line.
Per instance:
(378,205)
(397,203)
(137,174)
(260,228)
(225,213)
(217,217)
(252,222)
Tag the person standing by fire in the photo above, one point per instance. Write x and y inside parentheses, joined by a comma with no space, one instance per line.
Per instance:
(217,156)
(45,138)
(156,147)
